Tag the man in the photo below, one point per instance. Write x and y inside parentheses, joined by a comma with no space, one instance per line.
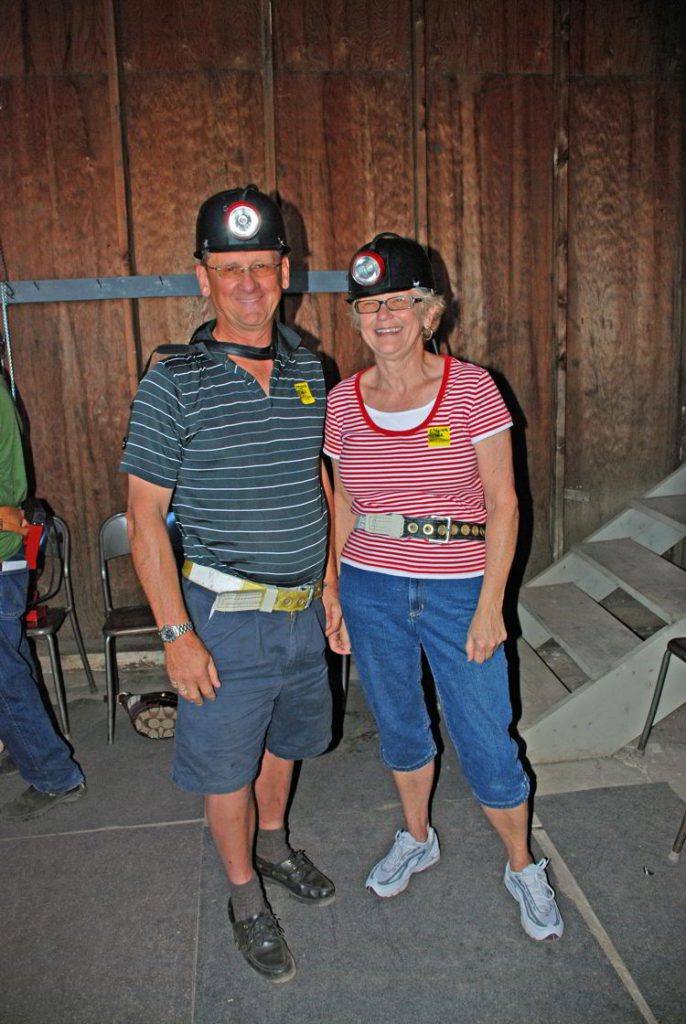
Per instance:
(32,746)
(230,435)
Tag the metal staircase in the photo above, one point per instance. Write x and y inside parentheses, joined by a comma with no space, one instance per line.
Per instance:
(595,697)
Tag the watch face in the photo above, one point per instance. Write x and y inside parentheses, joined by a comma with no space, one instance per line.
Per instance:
(169,633)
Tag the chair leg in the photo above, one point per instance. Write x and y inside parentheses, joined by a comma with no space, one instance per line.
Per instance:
(82,651)
(678,842)
(112,684)
(659,686)
(58,682)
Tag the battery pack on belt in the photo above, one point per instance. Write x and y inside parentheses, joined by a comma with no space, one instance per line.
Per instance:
(235,594)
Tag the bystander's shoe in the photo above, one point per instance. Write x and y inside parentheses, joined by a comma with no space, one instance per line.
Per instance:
(539,915)
(7,765)
(32,803)
(260,939)
(405,858)
(300,877)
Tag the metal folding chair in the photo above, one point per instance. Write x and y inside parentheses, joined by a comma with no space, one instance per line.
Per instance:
(676,646)
(56,558)
(122,620)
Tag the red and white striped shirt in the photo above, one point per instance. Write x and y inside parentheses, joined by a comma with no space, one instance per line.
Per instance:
(430,470)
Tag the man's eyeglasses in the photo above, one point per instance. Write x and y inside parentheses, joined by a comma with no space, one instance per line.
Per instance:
(395,302)
(233,271)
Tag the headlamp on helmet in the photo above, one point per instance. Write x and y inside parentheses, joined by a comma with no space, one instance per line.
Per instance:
(367,268)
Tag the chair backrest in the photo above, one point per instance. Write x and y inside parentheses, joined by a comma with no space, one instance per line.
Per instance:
(55,553)
(114,542)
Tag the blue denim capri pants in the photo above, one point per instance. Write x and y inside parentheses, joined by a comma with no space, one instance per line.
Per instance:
(390,620)
(274,694)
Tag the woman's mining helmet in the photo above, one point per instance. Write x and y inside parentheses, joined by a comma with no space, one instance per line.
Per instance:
(389,263)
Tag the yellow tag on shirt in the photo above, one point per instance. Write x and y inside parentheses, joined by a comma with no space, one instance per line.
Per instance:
(438,437)
(302,388)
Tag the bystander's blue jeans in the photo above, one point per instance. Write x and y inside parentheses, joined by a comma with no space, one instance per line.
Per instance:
(390,620)
(41,755)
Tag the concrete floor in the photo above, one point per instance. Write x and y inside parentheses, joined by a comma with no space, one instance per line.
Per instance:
(114,909)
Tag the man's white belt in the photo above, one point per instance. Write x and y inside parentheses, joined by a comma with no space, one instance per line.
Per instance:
(14,565)
(235,594)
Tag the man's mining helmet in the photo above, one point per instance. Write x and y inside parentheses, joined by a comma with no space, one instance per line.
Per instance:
(240,220)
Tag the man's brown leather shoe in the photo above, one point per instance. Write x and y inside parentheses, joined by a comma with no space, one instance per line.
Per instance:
(261,942)
(298,874)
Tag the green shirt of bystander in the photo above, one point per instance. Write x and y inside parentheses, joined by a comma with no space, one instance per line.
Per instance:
(12,468)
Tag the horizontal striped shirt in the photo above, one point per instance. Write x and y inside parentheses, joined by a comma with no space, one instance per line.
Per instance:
(244,466)
(430,470)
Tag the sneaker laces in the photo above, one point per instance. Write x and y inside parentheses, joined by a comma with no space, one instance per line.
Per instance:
(403,841)
(541,891)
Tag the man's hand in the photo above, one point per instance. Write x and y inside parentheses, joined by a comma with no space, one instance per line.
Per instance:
(339,641)
(190,669)
(12,520)
(334,630)
(486,634)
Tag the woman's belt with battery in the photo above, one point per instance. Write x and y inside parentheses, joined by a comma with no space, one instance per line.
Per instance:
(235,594)
(434,528)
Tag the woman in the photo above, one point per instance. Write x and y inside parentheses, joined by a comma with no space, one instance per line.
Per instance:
(422,462)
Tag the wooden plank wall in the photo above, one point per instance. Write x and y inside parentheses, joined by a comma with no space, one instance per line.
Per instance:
(534,145)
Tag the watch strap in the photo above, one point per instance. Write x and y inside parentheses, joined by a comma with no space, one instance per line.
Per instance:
(169,633)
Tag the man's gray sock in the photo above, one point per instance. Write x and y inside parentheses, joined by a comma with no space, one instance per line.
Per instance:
(271,845)
(247,899)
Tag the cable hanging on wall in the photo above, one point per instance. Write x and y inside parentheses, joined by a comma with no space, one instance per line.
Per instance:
(5,294)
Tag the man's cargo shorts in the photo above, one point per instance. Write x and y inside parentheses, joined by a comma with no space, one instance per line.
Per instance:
(274,693)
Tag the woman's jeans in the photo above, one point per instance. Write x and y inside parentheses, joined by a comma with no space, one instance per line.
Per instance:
(390,620)
(40,754)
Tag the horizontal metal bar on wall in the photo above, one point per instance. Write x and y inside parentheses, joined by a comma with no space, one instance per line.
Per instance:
(159,286)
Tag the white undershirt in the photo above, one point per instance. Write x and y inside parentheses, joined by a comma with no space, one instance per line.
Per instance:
(404,420)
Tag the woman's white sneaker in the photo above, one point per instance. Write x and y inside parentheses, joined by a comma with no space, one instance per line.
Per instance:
(405,858)
(540,915)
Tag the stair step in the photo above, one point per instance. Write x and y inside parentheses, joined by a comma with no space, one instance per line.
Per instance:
(669,508)
(656,583)
(590,635)
(540,688)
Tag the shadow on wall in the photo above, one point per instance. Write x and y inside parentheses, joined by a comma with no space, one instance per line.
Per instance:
(446,334)
(296,234)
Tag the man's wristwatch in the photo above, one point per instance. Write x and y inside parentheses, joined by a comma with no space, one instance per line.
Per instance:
(168,634)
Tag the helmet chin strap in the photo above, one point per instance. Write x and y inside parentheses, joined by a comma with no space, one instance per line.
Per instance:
(233,348)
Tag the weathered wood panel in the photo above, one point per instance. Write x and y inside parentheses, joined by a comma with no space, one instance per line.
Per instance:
(627,37)
(490,36)
(625,191)
(58,221)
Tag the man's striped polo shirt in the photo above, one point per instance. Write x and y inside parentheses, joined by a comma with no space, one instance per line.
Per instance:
(244,465)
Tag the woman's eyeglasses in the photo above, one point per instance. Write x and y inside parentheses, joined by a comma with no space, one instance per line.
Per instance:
(395,302)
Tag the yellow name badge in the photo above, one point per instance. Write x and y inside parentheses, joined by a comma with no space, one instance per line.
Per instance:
(438,437)
(302,389)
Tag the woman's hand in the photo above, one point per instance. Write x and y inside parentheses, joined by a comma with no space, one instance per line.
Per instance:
(486,634)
